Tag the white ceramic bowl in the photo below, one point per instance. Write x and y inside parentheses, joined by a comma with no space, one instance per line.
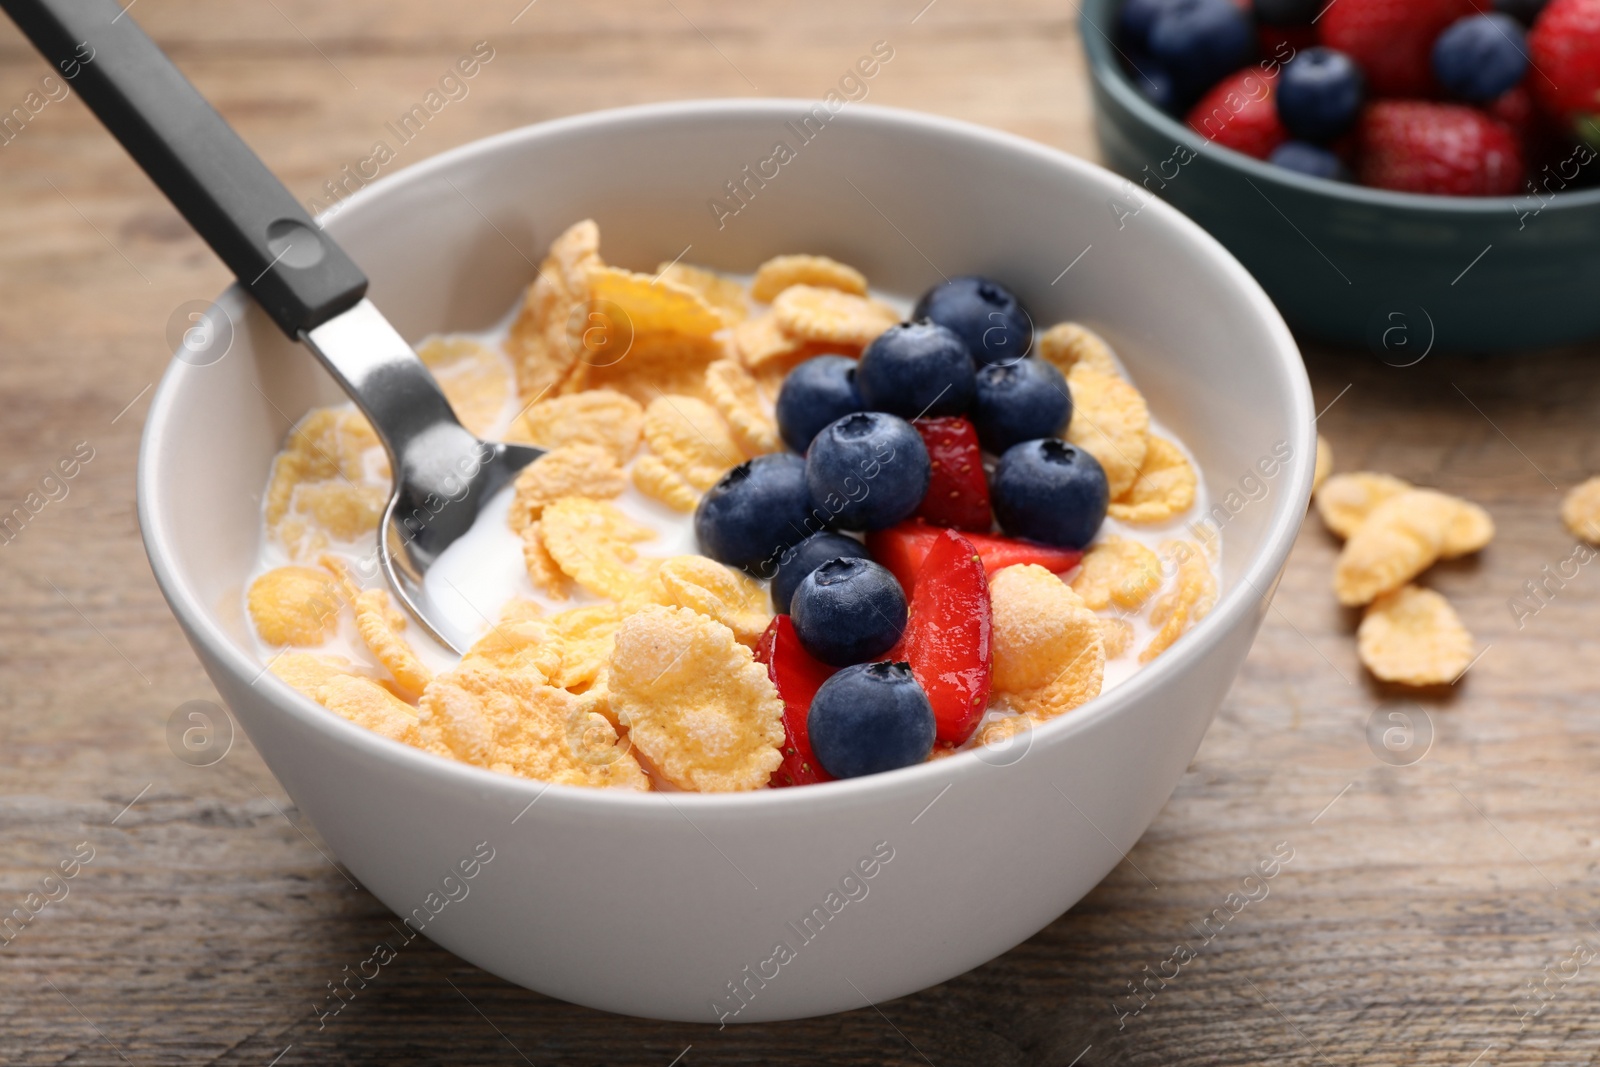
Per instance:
(661,905)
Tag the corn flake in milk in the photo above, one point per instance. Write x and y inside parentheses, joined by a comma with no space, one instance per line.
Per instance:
(609,653)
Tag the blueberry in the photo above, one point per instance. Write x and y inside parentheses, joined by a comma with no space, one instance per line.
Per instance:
(1524,11)
(1287,12)
(806,557)
(993,324)
(1153,82)
(1026,400)
(1319,94)
(1200,41)
(814,394)
(916,369)
(1479,57)
(756,511)
(1312,160)
(848,610)
(1051,492)
(870,718)
(867,471)
(1134,20)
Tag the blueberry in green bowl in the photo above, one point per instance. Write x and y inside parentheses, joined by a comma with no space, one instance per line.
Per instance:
(1401,273)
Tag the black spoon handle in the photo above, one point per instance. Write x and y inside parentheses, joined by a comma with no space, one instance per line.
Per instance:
(297,274)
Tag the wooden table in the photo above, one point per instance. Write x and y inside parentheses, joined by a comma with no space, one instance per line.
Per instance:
(1422,901)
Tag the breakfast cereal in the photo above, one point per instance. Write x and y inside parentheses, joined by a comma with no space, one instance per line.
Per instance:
(696,704)
(1163,488)
(1109,421)
(1413,636)
(567,470)
(781,272)
(627,651)
(1580,510)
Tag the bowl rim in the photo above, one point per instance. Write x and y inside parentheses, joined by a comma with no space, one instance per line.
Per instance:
(1234,607)
(1108,73)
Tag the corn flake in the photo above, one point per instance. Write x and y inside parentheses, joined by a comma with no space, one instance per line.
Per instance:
(1470,530)
(1049,655)
(1068,345)
(1324,465)
(339,508)
(1345,500)
(1165,486)
(1413,636)
(1192,598)
(547,338)
(301,539)
(368,704)
(1117,635)
(604,418)
(1399,540)
(717,592)
(828,316)
(307,671)
(1111,422)
(327,443)
(691,438)
(544,572)
(1580,510)
(592,542)
(657,363)
(296,606)
(655,479)
(571,470)
(333,682)
(1114,571)
(724,294)
(696,705)
(380,625)
(517,725)
(475,378)
(780,272)
(655,305)
(520,643)
(585,636)
(738,398)
(998,731)
(761,340)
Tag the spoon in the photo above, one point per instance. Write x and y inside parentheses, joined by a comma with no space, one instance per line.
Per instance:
(443,474)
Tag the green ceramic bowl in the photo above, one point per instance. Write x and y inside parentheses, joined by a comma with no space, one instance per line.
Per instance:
(1399,272)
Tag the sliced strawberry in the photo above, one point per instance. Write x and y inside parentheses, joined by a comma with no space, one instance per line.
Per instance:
(958,493)
(797,677)
(947,641)
(903,549)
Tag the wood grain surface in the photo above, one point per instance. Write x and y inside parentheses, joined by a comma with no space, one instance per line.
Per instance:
(1423,902)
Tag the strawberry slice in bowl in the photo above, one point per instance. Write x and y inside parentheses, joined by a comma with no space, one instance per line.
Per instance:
(958,491)
(797,677)
(904,548)
(948,638)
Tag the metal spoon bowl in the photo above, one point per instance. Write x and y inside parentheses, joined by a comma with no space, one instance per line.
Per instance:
(443,474)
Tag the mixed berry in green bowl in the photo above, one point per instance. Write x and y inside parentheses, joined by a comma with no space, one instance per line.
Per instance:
(1444,97)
